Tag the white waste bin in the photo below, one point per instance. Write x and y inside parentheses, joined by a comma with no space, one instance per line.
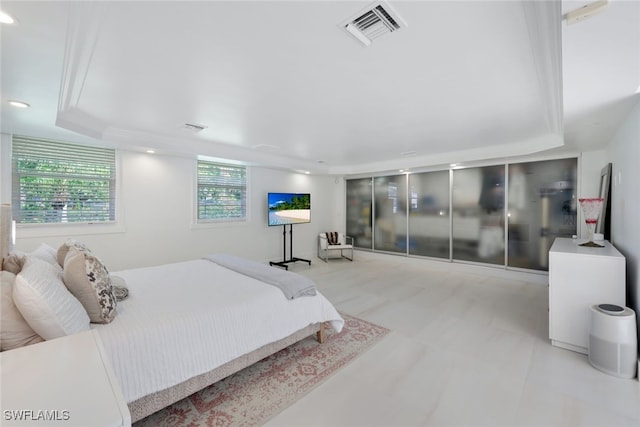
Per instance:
(613,341)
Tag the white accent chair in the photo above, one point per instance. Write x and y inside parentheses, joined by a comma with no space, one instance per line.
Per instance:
(342,243)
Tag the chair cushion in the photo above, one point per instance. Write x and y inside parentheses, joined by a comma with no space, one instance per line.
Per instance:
(340,246)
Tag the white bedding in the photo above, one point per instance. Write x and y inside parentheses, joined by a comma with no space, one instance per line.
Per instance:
(187,318)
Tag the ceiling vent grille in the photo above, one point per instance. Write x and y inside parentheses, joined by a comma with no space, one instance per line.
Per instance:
(376,20)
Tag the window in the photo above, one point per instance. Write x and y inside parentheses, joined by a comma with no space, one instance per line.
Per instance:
(58,182)
(222,191)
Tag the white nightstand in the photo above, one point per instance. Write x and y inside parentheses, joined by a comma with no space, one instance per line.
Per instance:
(580,277)
(67,381)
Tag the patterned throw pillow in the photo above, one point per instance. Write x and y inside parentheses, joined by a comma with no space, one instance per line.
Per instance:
(88,280)
(61,254)
(120,289)
(332,237)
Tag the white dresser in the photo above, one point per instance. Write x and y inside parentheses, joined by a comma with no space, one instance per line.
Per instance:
(580,277)
(64,382)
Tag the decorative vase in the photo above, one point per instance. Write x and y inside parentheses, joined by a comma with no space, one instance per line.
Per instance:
(591,208)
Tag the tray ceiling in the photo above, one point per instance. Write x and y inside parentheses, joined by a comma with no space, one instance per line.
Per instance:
(282,84)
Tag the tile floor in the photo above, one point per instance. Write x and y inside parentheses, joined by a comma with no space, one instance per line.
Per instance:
(466,349)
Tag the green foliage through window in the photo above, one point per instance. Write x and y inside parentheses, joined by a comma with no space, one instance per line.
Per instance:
(222,191)
(56,182)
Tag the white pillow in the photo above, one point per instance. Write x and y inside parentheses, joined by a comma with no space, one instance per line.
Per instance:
(45,303)
(15,332)
(46,253)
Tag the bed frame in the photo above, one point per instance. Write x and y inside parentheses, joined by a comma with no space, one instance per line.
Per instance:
(147,405)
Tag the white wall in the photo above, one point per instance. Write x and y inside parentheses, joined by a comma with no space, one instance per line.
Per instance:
(157,210)
(5,168)
(156,213)
(624,153)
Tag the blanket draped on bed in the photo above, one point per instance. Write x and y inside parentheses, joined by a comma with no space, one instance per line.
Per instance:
(291,284)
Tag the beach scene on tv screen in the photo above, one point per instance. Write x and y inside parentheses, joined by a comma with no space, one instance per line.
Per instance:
(288,208)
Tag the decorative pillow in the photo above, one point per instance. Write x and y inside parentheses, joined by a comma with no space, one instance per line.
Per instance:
(45,303)
(120,289)
(64,248)
(333,237)
(88,280)
(46,253)
(14,330)
(13,262)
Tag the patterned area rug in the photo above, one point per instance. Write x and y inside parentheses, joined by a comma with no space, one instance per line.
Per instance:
(259,392)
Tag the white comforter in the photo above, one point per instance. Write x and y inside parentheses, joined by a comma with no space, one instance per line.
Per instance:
(187,318)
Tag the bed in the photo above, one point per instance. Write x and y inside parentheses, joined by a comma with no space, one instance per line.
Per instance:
(186,325)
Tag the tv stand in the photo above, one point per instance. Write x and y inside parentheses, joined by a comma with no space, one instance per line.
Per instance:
(286,261)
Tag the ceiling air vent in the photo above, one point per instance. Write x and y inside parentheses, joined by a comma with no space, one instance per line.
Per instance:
(376,20)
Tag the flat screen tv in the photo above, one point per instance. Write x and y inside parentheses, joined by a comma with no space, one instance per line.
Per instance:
(289,208)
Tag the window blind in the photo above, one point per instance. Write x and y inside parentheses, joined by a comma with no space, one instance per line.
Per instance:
(222,191)
(56,182)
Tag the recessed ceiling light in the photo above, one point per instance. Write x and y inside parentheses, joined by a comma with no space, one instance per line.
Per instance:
(265,147)
(586,11)
(151,151)
(19,104)
(453,165)
(5,18)
(194,127)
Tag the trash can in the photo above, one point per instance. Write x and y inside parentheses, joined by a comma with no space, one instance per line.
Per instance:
(613,340)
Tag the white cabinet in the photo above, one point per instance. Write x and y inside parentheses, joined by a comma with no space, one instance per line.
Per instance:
(64,382)
(580,277)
